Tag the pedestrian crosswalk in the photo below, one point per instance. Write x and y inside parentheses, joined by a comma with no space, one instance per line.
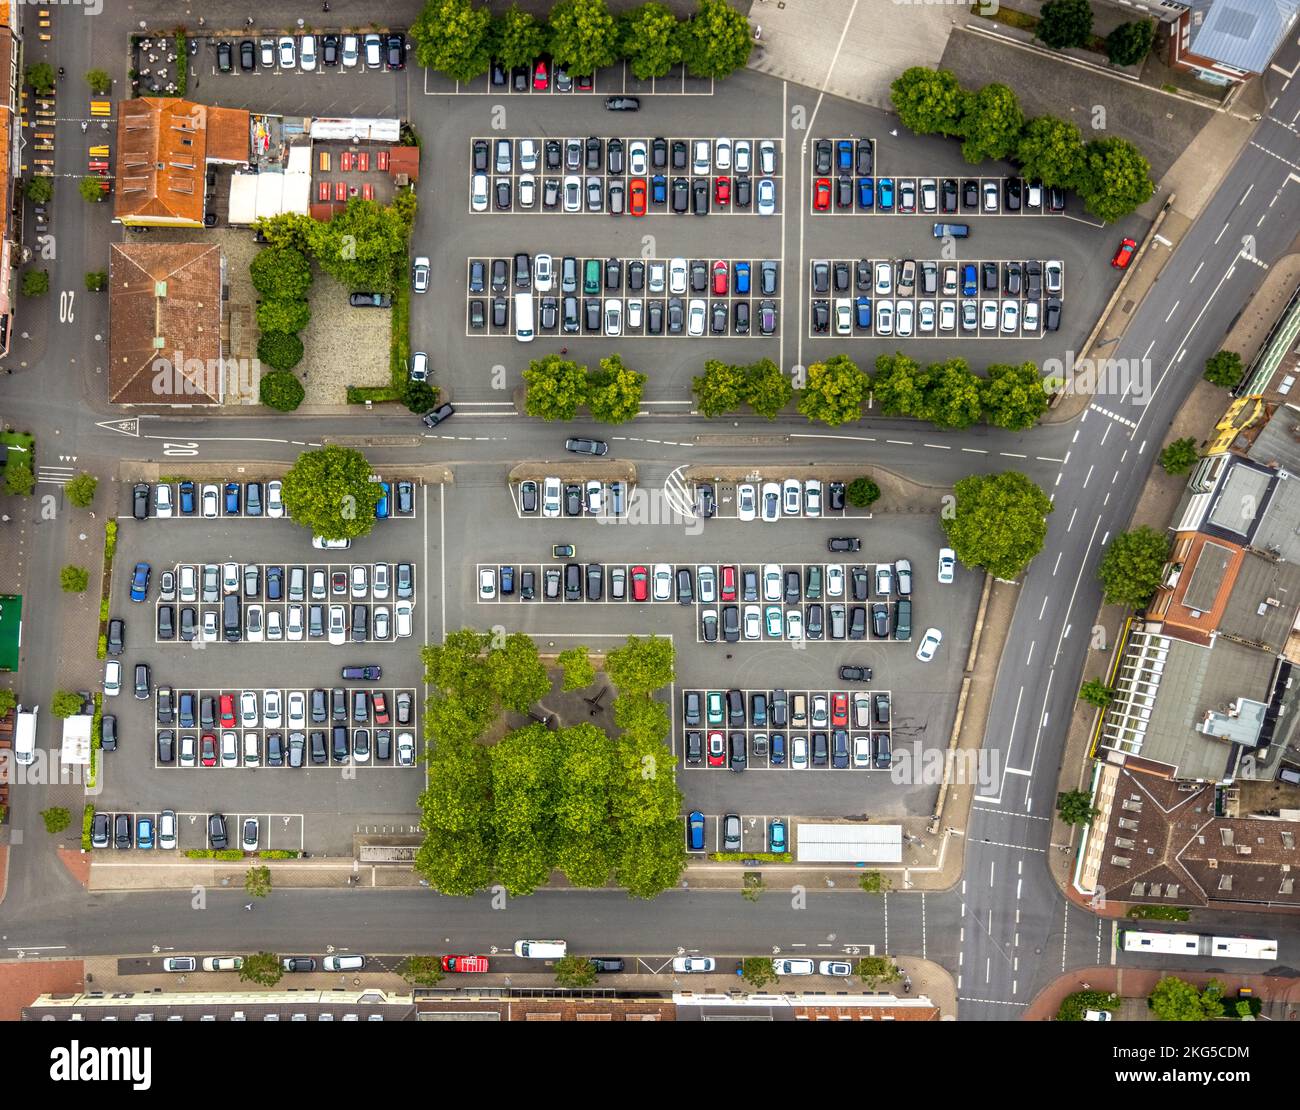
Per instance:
(55,475)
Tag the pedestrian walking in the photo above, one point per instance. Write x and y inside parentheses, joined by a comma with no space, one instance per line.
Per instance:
(564,350)
(325,6)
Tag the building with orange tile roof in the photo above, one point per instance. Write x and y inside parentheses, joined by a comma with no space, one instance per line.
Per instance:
(10,80)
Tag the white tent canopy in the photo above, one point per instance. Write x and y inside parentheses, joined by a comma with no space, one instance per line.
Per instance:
(345,130)
(848,843)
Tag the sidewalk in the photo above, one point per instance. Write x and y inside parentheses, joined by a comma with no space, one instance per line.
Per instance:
(1281,997)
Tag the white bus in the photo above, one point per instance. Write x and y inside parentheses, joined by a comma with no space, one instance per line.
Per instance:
(1194,944)
(524,317)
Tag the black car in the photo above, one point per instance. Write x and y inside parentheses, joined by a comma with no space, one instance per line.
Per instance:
(187,709)
(436,416)
(339,749)
(880,620)
(122,831)
(329,50)
(480,156)
(370,300)
(819,749)
(851,673)
(166,746)
(99,830)
(731,623)
(395,50)
(554,154)
(498,75)
(655,317)
(140,501)
(613,273)
(1055,199)
(582,446)
(681,194)
(840,272)
(591,313)
(1052,314)
(680,154)
(1011,194)
(821,315)
(835,496)
(622,104)
(500,275)
(635,276)
(274,749)
(217,831)
(166,705)
(500,312)
(700,196)
(844,543)
(247,55)
(360,622)
(793,586)
(844,192)
(718,318)
(502,193)
(573,499)
(595,154)
(595,581)
(860,580)
(519,79)
(609,965)
(767,277)
(823,155)
(743,193)
(948,194)
(108,732)
(116,636)
(989,276)
(477,314)
(298,963)
(319,752)
(225,57)
(709,626)
(1012,278)
(970,193)
(614,156)
(1033,279)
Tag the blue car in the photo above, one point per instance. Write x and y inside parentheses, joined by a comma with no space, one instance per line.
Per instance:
(507,580)
(381,510)
(845,161)
(140,582)
(866,192)
(742,277)
(886,194)
(776,837)
(864,313)
(695,831)
(144,832)
(968,280)
(232,498)
(659,189)
(187,498)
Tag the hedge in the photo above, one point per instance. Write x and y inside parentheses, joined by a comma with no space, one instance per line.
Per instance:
(87,822)
(1160,913)
(277,853)
(360,394)
(762,857)
(210,853)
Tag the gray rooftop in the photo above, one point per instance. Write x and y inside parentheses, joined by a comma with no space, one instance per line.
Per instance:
(1243,34)
(1207,577)
(1278,441)
(1239,501)
(1249,616)
(1279,530)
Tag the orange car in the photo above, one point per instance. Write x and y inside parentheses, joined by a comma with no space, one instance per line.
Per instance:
(637,196)
(464,963)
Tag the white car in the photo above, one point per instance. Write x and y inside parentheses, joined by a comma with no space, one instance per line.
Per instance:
(947,565)
(861,751)
(742,156)
(634,313)
(208,633)
(884,317)
(925,316)
(947,315)
(405,749)
(112,678)
(799,753)
(656,276)
(812,497)
(929,195)
(210,500)
(249,838)
(271,708)
(766,196)
(834,967)
(307,52)
(843,316)
(638,158)
(613,316)
(772,582)
(527,155)
(1052,276)
(478,192)
(320,543)
(275,499)
(903,573)
(252,752)
(543,273)
(374,52)
(929,644)
(820,709)
(989,315)
(551,493)
(254,629)
(297,709)
(695,317)
(229,749)
(188,583)
(700,158)
(991,196)
(834,580)
(338,633)
(1010,316)
(903,320)
(689,964)
(746,502)
(383,623)
(527,190)
(230,578)
(753,623)
(402,618)
(360,582)
(677,275)
(663,581)
(722,154)
(162,501)
(487,583)
(794,967)
(884,279)
(884,579)
(793,624)
(1030,321)
(767,157)
(595,496)
(351,51)
(293,622)
(572,193)
(791,497)
(286,52)
(248,709)
(379,585)
(274,625)
(770,502)
(319,588)
(706,585)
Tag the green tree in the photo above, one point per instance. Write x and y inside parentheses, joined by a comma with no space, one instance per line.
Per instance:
(1095,692)
(520,38)
(364,246)
(262,968)
(1074,1006)
(8,701)
(101,84)
(991,123)
(283,315)
(874,882)
(928,101)
(40,75)
(280,350)
(877,971)
(953,397)
(291,230)
(91,188)
(419,397)
(423,971)
(584,36)
(900,386)
(1013,396)
(65,703)
(644,719)
(280,390)
(96,281)
(758,971)
(1130,43)
(329,491)
(454,37)
(716,40)
(574,971)
(1131,569)
(999,522)
(1051,151)
(257,881)
(650,40)
(722,388)
(19,478)
(579,672)
(1114,178)
(36,283)
(1224,369)
(835,391)
(614,391)
(1180,456)
(1065,23)
(518,676)
(556,386)
(1075,807)
(767,389)
(74,580)
(862,493)
(40,189)
(641,666)
(80,491)
(1175,999)
(56,819)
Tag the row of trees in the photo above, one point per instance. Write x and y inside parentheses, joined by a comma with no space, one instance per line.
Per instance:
(282,277)
(1067,23)
(1110,174)
(460,38)
(557,386)
(574,800)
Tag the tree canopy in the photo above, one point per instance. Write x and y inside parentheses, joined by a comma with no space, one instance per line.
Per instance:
(999,522)
(991,123)
(280,273)
(454,37)
(280,390)
(613,393)
(1065,23)
(835,391)
(1051,151)
(1131,568)
(715,41)
(650,40)
(1224,369)
(329,491)
(556,387)
(519,38)
(928,101)
(584,36)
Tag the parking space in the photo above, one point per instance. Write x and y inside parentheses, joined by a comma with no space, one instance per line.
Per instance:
(169,830)
(574,498)
(317,56)
(774,500)
(628,297)
(633,176)
(543,78)
(734,833)
(189,500)
(907,298)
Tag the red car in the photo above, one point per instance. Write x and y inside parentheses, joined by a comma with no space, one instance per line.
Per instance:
(720,280)
(717,750)
(227,710)
(722,191)
(465,963)
(380,703)
(839,710)
(208,750)
(822,195)
(1124,254)
(728,584)
(540,82)
(636,196)
(640,584)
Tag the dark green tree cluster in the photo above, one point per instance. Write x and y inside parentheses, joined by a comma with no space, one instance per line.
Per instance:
(950,395)
(1065,23)
(1075,807)
(724,387)
(329,491)
(571,800)
(460,38)
(282,276)
(1174,999)
(835,391)
(1131,569)
(998,522)
(1110,174)
(1130,43)
(556,386)
(1224,369)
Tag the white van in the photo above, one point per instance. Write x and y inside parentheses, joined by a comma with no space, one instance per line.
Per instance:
(25,736)
(524,317)
(541,949)
(343,963)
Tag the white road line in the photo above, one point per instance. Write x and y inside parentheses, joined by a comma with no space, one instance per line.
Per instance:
(1057,566)
(1216,239)
(1245,195)
(442,560)
(1173,310)
(1088,476)
(1196,271)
